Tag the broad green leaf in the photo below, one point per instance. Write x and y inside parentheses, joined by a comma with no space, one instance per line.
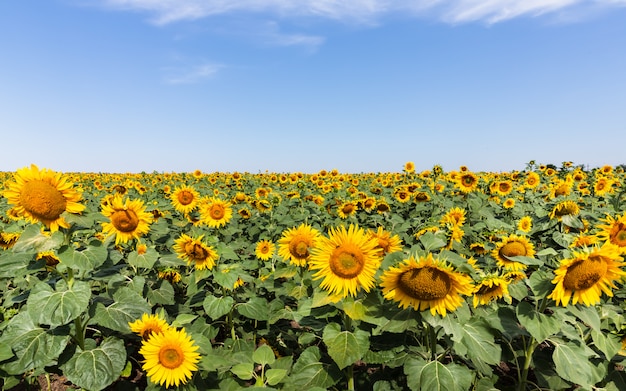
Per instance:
(396,321)
(216,307)
(94,369)
(540,326)
(479,341)
(431,242)
(164,294)
(32,239)
(14,265)
(243,370)
(589,315)
(34,347)
(435,376)
(308,372)
(145,260)
(128,306)
(183,320)
(354,309)
(59,306)
(572,363)
(256,308)
(608,344)
(540,282)
(87,260)
(5,352)
(345,347)
(275,376)
(264,355)
(226,275)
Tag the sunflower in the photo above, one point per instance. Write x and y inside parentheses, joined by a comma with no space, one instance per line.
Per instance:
(295,244)
(426,283)
(195,251)
(265,249)
(584,240)
(148,325)
(532,180)
(128,218)
(215,212)
(564,208)
(501,188)
(603,186)
(512,246)
(184,199)
(7,240)
(170,357)
(491,288)
(50,257)
(583,277)
(346,260)
(509,203)
(386,242)
(614,231)
(409,167)
(170,274)
(467,182)
(43,195)
(525,224)
(454,217)
(346,209)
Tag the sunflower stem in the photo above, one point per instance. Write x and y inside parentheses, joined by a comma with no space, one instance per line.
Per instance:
(79,335)
(528,359)
(432,338)
(350,376)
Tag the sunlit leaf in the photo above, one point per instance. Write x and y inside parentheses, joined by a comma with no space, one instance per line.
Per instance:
(96,368)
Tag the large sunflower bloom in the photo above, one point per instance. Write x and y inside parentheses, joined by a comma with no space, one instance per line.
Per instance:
(195,252)
(583,277)
(128,219)
(43,195)
(467,182)
(215,212)
(170,357)
(148,325)
(184,199)
(614,231)
(265,249)
(564,208)
(426,283)
(512,246)
(346,260)
(295,244)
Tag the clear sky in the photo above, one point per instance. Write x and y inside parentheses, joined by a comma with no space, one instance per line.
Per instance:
(304,85)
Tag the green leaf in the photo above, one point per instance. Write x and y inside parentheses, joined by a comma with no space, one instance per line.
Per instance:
(128,306)
(431,242)
(479,341)
(59,306)
(95,369)
(396,321)
(145,260)
(5,352)
(34,347)
(608,344)
(14,265)
(540,282)
(32,239)
(308,372)
(275,376)
(243,370)
(256,308)
(571,362)
(423,375)
(216,307)
(183,319)
(540,326)
(345,347)
(87,260)
(353,308)
(264,355)
(164,294)
(589,315)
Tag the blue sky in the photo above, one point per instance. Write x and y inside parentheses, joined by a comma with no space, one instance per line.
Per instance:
(302,85)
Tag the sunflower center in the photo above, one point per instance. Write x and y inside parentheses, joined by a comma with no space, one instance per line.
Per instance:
(468,180)
(147,333)
(584,273)
(171,357)
(488,290)
(125,220)
(618,236)
(185,197)
(42,200)
(196,251)
(426,283)
(513,249)
(299,248)
(217,212)
(346,263)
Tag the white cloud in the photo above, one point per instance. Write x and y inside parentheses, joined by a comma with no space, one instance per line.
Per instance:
(191,75)
(359,11)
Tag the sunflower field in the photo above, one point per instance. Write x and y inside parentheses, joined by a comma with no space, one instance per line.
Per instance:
(410,280)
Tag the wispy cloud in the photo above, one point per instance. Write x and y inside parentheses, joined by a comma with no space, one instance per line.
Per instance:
(191,74)
(359,11)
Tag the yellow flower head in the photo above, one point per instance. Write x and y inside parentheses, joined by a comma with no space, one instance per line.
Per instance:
(148,325)
(128,219)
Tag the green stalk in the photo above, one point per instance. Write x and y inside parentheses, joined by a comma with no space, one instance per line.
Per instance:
(79,335)
(528,353)
(350,376)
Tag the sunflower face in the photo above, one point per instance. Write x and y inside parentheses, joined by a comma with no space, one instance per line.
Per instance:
(42,196)
(216,213)
(584,277)
(296,243)
(512,246)
(265,250)
(128,219)
(184,199)
(564,208)
(614,231)
(427,283)
(467,182)
(148,325)
(491,288)
(170,357)
(386,242)
(346,261)
(195,252)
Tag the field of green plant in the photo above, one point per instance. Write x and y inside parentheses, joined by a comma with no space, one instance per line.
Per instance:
(427,280)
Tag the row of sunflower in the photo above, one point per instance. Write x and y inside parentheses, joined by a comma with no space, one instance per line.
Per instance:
(455,280)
